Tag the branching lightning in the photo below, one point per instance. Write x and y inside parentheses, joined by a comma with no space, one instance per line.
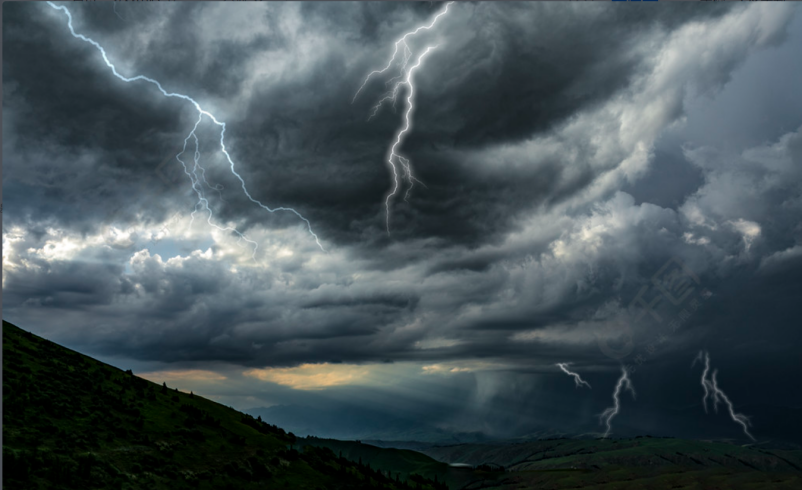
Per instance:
(712,390)
(578,381)
(607,416)
(193,177)
(395,159)
(201,113)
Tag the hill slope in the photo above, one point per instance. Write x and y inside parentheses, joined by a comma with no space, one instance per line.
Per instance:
(70,421)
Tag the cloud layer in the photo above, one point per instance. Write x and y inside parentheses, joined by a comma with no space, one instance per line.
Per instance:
(559,178)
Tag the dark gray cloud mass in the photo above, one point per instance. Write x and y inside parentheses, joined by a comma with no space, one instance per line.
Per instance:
(566,152)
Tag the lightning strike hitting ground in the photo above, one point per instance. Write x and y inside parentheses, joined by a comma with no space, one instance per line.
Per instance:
(712,390)
(201,113)
(607,416)
(578,381)
(393,157)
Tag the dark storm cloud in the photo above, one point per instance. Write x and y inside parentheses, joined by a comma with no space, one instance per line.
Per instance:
(58,142)
(521,249)
(478,91)
(503,74)
(526,67)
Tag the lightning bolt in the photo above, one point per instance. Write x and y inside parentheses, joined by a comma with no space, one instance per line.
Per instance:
(712,390)
(705,383)
(578,381)
(395,159)
(201,113)
(195,180)
(607,416)
(114,3)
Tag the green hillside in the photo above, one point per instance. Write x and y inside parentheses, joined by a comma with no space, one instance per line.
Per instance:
(70,421)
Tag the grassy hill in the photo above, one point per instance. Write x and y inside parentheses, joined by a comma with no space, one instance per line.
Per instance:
(70,421)
(642,462)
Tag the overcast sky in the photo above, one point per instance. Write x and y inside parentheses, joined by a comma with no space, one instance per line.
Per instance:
(567,156)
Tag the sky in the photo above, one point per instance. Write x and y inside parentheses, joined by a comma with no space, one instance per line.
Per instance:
(603,185)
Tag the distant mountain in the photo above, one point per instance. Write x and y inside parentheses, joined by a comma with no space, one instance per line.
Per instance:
(776,426)
(339,421)
(71,422)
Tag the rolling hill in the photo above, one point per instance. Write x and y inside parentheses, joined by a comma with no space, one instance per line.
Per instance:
(638,463)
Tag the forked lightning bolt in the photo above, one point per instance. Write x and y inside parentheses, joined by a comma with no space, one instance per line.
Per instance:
(193,177)
(393,157)
(403,42)
(606,417)
(578,381)
(201,113)
(712,390)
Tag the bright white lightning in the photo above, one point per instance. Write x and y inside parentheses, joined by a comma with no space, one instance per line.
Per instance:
(393,157)
(399,138)
(407,52)
(201,113)
(607,416)
(712,390)
(578,381)
(193,177)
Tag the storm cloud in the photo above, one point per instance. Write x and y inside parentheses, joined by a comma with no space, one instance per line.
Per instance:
(565,158)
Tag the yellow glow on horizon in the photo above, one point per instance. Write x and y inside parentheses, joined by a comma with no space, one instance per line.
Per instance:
(313,376)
